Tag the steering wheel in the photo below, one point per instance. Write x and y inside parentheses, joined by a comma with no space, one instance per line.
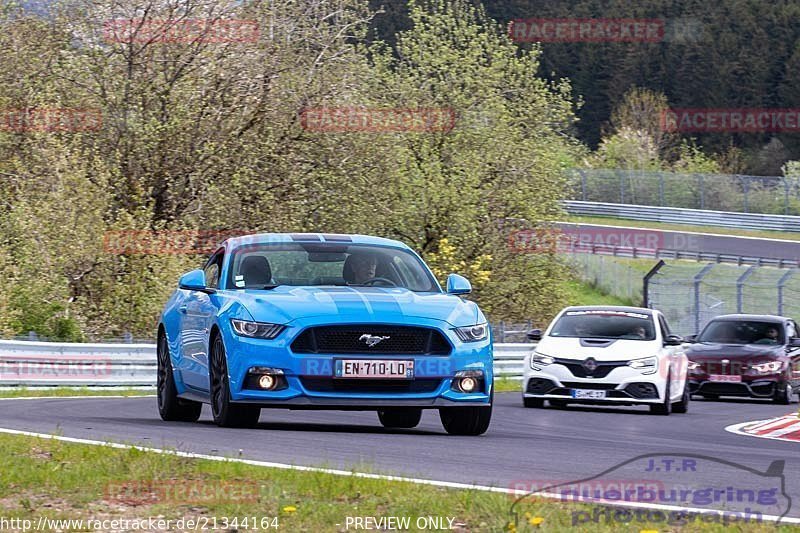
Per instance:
(373,281)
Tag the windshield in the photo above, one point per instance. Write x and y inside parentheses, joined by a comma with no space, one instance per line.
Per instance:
(742,332)
(605,324)
(263,266)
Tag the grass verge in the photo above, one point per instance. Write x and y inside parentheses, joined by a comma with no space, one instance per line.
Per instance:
(63,481)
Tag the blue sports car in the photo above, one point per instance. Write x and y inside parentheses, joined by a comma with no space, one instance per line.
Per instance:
(316,321)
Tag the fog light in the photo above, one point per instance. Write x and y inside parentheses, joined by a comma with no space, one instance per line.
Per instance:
(468,384)
(266,382)
(468,381)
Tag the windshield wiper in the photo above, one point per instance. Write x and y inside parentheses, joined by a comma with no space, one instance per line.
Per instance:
(269,287)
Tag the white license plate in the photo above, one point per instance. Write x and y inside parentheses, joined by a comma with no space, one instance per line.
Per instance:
(589,394)
(374,368)
(725,379)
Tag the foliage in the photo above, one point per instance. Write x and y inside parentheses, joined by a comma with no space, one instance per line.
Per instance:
(204,135)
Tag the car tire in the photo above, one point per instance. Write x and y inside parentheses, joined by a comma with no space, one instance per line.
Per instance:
(226,413)
(405,418)
(664,408)
(782,395)
(170,407)
(533,402)
(558,403)
(682,406)
(471,421)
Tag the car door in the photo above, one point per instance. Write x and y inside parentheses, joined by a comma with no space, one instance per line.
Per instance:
(198,310)
(677,360)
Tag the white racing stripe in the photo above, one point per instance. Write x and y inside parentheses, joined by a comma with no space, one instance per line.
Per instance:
(445,484)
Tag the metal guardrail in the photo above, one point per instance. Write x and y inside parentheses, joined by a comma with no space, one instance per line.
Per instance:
(673,244)
(677,215)
(76,364)
(508,359)
(26,363)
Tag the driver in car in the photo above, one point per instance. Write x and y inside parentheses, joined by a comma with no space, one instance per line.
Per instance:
(362,268)
(770,336)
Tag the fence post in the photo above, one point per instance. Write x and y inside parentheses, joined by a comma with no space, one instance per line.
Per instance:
(702,191)
(583,184)
(785,196)
(697,280)
(646,282)
(661,188)
(740,287)
(781,284)
(746,189)
(502,331)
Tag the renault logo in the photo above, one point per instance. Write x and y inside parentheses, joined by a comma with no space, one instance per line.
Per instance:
(590,365)
(372,340)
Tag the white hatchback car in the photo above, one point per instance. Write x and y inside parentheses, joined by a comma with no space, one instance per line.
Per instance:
(607,355)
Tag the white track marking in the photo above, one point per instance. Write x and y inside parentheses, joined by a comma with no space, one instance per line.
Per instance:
(445,484)
(738,429)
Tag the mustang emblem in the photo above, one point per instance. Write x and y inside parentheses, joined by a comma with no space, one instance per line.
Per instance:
(372,340)
(590,365)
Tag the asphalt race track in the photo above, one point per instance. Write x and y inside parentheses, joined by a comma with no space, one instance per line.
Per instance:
(521,444)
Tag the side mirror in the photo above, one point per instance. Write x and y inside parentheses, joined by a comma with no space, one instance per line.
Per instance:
(193,281)
(458,285)
(673,340)
(690,338)
(794,342)
(534,335)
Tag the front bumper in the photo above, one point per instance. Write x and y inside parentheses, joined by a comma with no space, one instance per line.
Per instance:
(749,387)
(622,385)
(309,378)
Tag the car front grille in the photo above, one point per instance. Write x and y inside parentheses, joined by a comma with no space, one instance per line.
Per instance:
(593,386)
(376,386)
(733,368)
(352,339)
(579,371)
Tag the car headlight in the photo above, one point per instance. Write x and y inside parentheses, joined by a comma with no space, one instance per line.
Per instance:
(769,367)
(258,330)
(540,359)
(647,365)
(475,333)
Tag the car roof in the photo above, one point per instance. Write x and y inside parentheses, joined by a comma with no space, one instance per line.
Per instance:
(620,308)
(273,238)
(760,318)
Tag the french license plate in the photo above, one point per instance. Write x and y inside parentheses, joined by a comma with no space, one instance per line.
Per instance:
(725,379)
(374,368)
(589,394)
